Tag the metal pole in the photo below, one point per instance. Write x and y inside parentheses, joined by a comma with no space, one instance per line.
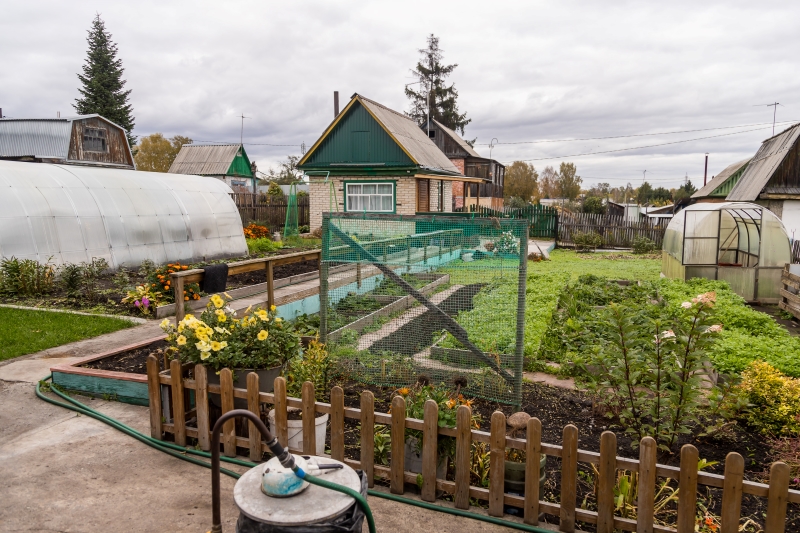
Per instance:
(521,291)
(705,172)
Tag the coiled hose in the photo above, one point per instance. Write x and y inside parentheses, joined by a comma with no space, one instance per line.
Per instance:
(181,452)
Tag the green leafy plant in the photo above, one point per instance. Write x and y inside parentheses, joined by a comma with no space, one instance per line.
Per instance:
(263,245)
(643,245)
(774,400)
(90,274)
(383,443)
(586,242)
(507,243)
(480,465)
(26,277)
(312,364)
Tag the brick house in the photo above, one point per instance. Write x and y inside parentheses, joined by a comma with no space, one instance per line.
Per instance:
(373,159)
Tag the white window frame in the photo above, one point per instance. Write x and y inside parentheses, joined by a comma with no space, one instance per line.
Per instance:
(350,194)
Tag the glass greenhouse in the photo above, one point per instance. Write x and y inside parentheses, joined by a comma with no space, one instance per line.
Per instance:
(742,243)
(68,213)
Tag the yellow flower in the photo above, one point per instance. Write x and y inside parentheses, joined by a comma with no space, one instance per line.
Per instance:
(223,344)
(219,312)
(222,318)
(217,301)
(264,318)
(451,403)
(272,308)
(204,355)
(216,346)
(203,346)
(165,324)
(278,320)
(180,327)
(262,335)
(222,330)
(181,340)
(188,318)
(203,337)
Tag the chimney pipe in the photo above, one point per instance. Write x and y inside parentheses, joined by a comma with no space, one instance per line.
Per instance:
(1,112)
(335,104)
(705,172)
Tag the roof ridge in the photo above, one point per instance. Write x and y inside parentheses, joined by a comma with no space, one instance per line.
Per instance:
(362,97)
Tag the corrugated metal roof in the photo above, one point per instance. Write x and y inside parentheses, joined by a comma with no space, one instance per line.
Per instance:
(719,179)
(763,164)
(457,138)
(39,137)
(204,159)
(410,136)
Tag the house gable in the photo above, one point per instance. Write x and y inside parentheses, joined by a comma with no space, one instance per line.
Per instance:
(240,166)
(356,140)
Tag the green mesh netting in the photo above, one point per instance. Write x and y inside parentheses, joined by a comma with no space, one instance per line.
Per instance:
(291,226)
(443,297)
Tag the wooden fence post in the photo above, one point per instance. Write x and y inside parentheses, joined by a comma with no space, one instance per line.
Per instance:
(732,493)
(226,397)
(201,400)
(430,441)
(533,452)
(777,498)
(309,427)
(178,406)
(647,485)
(463,456)
(154,393)
(281,413)
(606,481)
(687,496)
(569,477)
(497,463)
(177,287)
(270,285)
(368,436)
(337,423)
(398,444)
(253,405)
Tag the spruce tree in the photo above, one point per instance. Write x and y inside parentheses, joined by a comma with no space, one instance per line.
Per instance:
(103,87)
(443,98)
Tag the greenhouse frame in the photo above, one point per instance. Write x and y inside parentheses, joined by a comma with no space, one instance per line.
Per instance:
(73,214)
(742,243)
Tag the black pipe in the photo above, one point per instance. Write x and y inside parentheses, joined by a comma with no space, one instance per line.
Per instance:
(283,455)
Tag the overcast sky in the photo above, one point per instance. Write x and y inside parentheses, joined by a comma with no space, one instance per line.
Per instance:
(528,71)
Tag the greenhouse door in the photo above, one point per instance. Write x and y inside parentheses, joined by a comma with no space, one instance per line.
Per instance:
(742,280)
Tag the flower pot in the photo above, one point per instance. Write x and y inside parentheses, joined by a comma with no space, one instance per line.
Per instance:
(296,431)
(266,383)
(413,460)
(515,475)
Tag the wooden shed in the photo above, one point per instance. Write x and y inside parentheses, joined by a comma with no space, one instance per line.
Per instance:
(83,140)
(226,162)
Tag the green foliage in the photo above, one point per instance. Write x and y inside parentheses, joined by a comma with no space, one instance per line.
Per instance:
(643,245)
(383,444)
(102,87)
(520,183)
(507,243)
(594,205)
(774,400)
(262,245)
(26,277)
(27,332)
(274,189)
(568,183)
(588,241)
(312,364)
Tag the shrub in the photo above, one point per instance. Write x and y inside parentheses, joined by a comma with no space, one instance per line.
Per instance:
(262,245)
(303,229)
(774,400)
(507,243)
(26,277)
(160,284)
(594,205)
(588,241)
(312,365)
(643,245)
(256,231)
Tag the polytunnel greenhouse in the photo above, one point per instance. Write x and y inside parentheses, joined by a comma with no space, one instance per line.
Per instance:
(71,214)
(742,243)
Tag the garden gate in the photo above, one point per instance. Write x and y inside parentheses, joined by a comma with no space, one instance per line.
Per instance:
(426,297)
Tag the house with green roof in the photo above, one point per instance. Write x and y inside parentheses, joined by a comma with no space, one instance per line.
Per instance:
(226,162)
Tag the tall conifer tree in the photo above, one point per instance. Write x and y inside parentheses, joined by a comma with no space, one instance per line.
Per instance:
(102,90)
(443,98)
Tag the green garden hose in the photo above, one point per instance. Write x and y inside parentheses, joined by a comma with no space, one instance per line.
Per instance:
(180,452)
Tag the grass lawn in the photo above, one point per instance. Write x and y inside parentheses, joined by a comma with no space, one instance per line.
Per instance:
(25,332)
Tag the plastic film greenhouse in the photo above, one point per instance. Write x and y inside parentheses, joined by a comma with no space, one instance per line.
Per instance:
(424,298)
(742,243)
(66,213)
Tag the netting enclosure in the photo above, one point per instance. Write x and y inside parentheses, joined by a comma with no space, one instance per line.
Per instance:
(742,243)
(443,297)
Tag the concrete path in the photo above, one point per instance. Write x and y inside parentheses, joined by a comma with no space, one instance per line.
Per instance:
(64,472)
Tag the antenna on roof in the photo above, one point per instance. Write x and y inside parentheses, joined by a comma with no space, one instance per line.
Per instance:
(774,107)
(241,133)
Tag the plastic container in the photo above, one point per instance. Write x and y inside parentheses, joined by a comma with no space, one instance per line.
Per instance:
(296,431)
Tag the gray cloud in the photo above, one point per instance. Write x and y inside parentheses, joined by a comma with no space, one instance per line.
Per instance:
(527,70)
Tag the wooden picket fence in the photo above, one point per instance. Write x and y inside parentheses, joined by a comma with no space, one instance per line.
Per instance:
(261,207)
(616,231)
(172,415)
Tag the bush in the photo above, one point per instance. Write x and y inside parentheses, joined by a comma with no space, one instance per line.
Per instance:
(303,229)
(314,366)
(262,245)
(593,205)
(643,245)
(256,231)
(588,241)
(26,277)
(774,400)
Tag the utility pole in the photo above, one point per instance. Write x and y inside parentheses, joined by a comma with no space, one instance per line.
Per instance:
(705,172)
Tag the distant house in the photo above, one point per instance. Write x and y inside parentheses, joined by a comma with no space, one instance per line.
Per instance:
(373,159)
(720,185)
(82,140)
(489,193)
(226,162)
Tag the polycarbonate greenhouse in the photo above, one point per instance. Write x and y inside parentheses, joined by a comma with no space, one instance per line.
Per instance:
(742,243)
(71,214)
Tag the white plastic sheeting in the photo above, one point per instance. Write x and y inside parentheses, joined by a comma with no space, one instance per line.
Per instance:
(742,243)
(67,213)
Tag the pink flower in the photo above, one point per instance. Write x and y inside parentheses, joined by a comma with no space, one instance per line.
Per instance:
(686,305)
(137,303)
(145,302)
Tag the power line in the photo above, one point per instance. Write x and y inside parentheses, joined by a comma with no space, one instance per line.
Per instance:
(639,134)
(637,147)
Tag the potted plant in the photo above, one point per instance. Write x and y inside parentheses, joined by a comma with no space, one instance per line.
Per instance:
(415,408)
(311,364)
(515,471)
(260,342)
